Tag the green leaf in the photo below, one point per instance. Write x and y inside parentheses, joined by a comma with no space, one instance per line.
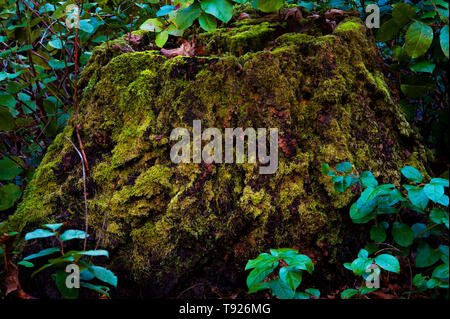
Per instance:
(441,272)
(259,273)
(388,262)
(313,291)
(291,277)
(72,234)
(344,167)
(9,194)
(325,169)
(440,181)
(6,120)
(161,38)
(104,274)
(281,289)
(368,179)
(269,5)
(25,264)
(301,262)
(100,289)
(443,38)
(418,39)
(263,258)
(359,265)
(67,293)
(93,253)
(387,31)
(426,256)
(412,174)
(418,198)
(152,25)
(301,295)
(187,16)
(403,234)
(44,252)
(221,9)
(258,287)
(378,233)
(424,66)
(207,22)
(402,13)
(434,191)
(39,233)
(438,216)
(348,293)
(9,169)
(53,227)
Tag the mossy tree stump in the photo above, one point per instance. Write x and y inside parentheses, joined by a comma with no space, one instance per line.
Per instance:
(170,226)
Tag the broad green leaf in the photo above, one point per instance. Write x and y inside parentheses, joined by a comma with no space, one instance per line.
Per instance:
(388,262)
(165,10)
(53,227)
(258,287)
(9,169)
(402,13)
(259,273)
(301,262)
(378,233)
(313,291)
(366,290)
(434,191)
(104,274)
(424,66)
(269,5)
(301,295)
(359,265)
(42,253)
(291,277)
(207,22)
(281,289)
(387,31)
(72,234)
(187,16)
(443,39)
(426,256)
(325,169)
(344,167)
(403,234)
(418,197)
(9,194)
(348,293)
(368,179)
(67,293)
(25,264)
(440,181)
(263,258)
(152,25)
(39,233)
(441,272)
(438,216)
(161,38)
(412,173)
(418,39)
(221,9)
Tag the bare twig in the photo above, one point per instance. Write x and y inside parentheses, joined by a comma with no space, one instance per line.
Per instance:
(86,227)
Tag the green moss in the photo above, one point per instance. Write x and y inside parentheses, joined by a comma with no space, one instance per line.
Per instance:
(167,222)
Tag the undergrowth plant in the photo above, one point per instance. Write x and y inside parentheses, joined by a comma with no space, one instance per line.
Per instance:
(61,259)
(387,208)
(291,265)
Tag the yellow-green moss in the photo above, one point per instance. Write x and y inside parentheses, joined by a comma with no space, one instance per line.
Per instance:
(324,93)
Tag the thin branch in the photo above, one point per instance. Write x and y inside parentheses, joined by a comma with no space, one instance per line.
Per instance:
(86,227)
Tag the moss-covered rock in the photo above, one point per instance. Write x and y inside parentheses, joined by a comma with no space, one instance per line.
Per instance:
(167,225)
